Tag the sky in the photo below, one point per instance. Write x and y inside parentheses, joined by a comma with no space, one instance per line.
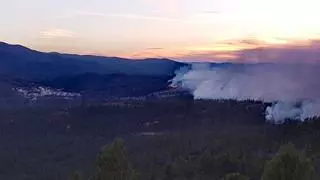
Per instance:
(187,30)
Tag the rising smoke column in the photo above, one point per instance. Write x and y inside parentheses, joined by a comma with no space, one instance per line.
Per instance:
(294,89)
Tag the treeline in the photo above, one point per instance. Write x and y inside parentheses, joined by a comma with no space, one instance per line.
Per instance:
(113,164)
(177,138)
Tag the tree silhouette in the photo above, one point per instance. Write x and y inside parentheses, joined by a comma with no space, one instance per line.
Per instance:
(288,164)
(169,173)
(235,176)
(113,163)
(75,176)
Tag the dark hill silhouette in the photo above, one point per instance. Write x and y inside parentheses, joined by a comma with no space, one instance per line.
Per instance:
(22,62)
(110,85)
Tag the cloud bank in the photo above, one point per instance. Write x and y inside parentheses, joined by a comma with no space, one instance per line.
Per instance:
(294,89)
(254,51)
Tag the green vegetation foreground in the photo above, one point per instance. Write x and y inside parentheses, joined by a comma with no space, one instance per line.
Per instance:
(113,164)
(169,139)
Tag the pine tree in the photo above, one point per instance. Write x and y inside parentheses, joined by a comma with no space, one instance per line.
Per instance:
(169,174)
(288,164)
(113,163)
(235,176)
(75,176)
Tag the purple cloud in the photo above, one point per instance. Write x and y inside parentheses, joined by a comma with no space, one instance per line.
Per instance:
(256,52)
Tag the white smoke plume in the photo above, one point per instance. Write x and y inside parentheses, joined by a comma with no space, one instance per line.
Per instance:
(294,89)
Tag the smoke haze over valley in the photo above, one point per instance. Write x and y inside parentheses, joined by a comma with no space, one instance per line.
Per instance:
(293,89)
(290,86)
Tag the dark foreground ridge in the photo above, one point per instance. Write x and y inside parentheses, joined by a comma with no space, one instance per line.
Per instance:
(185,138)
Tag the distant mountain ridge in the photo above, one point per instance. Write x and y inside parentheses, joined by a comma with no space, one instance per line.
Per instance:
(26,73)
(22,62)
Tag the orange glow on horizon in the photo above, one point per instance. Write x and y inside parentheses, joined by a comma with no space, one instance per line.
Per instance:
(217,51)
(222,50)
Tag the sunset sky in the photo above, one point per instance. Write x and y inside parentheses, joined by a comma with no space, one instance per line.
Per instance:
(179,29)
